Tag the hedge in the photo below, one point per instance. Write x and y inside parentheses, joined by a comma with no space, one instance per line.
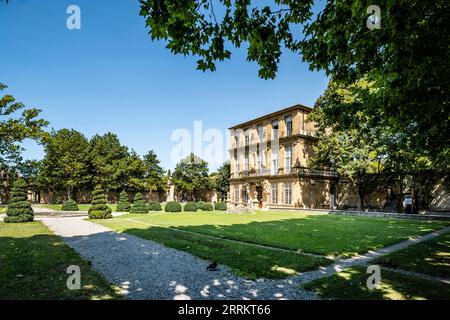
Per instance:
(19,208)
(139,205)
(205,206)
(124,202)
(220,206)
(172,206)
(190,207)
(99,209)
(69,205)
(154,206)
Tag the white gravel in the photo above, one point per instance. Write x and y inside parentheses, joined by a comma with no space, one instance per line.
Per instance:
(148,270)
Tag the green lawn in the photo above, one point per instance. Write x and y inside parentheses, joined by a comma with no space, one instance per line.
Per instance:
(321,234)
(430,257)
(34,262)
(350,284)
(318,234)
(2,209)
(82,207)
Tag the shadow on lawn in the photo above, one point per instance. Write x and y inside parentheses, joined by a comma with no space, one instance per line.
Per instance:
(351,284)
(322,234)
(34,267)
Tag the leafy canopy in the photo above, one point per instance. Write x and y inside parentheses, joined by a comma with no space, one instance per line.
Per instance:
(222,181)
(66,164)
(16,127)
(191,177)
(357,154)
(407,59)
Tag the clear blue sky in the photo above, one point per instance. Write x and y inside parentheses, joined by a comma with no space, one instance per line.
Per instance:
(110,76)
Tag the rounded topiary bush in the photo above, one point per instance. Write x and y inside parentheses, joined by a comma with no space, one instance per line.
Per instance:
(220,206)
(124,203)
(190,207)
(139,205)
(154,206)
(69,205)
(19,208)
(99,209)
(205,206)
(172,206)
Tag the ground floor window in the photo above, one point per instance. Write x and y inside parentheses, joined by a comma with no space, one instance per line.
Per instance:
(245,195)
(274,194)
(236,194)
(288,193)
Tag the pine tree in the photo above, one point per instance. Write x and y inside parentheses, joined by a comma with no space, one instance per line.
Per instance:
(19,208)
(124,203)
(139,205)
(99,209)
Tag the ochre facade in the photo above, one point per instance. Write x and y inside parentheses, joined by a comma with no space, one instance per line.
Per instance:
(269,163)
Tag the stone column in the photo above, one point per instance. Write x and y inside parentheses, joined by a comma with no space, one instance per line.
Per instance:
(228,201)
(255,203)
(171,193)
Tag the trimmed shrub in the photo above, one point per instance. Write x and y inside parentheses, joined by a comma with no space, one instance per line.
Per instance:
(19,208)
(205,206)
(220,206)
(154,206)
(139,205)
(69,205)
(99,209)
(172,206)
(190,207)
(124,202)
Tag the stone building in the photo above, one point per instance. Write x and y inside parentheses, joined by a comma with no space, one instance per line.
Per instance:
(269,163)
(269,159)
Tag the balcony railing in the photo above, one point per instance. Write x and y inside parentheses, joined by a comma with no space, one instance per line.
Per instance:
(303,171)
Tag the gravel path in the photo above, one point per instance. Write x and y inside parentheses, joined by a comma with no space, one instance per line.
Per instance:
(148,270)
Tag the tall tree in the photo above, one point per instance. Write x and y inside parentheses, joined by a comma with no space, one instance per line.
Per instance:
(30,170)
(14,128)
(222,181)
(407,57)
(66,163)
(135,173)
(109,159)
(155,176)
(191,177)
(357,154)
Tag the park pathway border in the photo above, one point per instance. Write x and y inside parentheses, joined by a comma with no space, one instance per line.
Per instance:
(364,259)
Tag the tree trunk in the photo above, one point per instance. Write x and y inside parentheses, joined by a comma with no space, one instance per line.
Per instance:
(360,201)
